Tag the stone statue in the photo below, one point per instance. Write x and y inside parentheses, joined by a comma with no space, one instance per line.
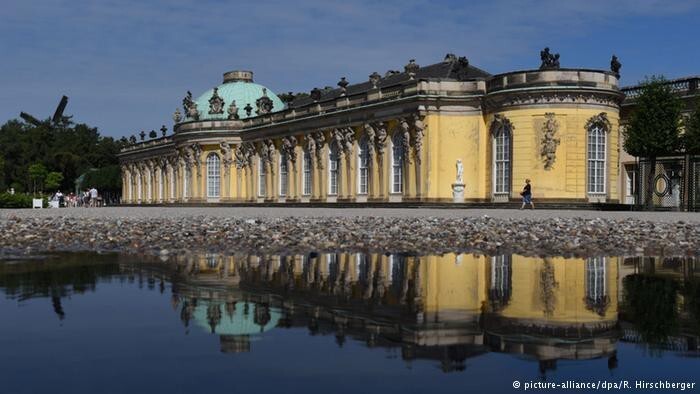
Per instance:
(371,135)
(226,153)
(192,111)
(343,83)
(382,135)
(142,134)
(348,139)
(406,138)
(163,130)
(187,102)
(310,145)
(216,103)
(419,128)
(460,172)
(316,94)
(411,68)
(374,79)
(289,144)
(549,61)
(248,109)
(177,116)
(615,66)
(244,155)
(319,139)
(232,111)
(549,143)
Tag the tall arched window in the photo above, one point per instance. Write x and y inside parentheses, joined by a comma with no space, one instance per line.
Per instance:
(213,176)
(262,178)
(596,285)
(333,165)
(501,281)
(307,174)
(596,159)
(284,174)
(397,157)
(363,167)
(501,132)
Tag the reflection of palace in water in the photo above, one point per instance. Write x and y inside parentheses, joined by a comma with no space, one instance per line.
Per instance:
(447,308)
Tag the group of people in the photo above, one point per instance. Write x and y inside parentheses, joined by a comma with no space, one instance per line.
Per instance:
(88,198)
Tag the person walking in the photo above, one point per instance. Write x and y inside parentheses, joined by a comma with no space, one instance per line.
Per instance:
(93,197)
(527,195)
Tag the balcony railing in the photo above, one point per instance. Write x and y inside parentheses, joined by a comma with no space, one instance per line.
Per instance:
(682,86)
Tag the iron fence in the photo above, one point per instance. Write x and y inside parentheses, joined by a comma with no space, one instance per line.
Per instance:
(674,186)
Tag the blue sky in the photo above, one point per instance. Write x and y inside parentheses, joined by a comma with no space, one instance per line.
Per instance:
(127,64)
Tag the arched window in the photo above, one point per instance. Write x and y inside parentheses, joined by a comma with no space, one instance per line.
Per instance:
(333,165)
(596,159)
(363,167)
(262,178)
(307,174)
(284,174)
(596,285)
(501,281)
(213,175)
(397,157)
(501,132)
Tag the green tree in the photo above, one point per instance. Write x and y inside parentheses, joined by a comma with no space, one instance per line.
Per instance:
(37,174)
(53,180)
(2,174)
(691,138)
(654,127)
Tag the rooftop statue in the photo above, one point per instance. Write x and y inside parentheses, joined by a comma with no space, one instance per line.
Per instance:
(216,103)
(549,61)
(232,111)
(264,104)
(615,66)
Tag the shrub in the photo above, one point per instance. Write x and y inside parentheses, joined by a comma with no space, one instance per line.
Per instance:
(16,200)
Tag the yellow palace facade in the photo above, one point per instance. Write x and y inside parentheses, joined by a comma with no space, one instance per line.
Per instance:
(447,132)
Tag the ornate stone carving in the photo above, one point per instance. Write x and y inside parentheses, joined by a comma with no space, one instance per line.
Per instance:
(266,150)
(543,98)
(187,103)
(411,68)
(405,130)
(232,111)
(374,79)
(188,157)
(549,61)
(343,83)
(319,141)
(163,130)
(371,137)
(216,103)
(548,148)
(501,124)
(419,133)
(227,155)
(289,145)
(197,153)
(459,179)
(310,145)
(192,112)
(264,104)
(142,134)
(600,120)
(248,109)
(615,66)
(177,116)
(244,155)
(382,135)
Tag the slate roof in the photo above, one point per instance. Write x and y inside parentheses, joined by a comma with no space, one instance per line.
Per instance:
(452,68)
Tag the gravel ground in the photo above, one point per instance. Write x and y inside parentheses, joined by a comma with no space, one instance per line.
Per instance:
(231,230)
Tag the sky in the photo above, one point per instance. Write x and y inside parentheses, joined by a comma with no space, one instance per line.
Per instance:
(126,65)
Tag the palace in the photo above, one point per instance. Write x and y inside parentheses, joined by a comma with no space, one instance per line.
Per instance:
(446,132)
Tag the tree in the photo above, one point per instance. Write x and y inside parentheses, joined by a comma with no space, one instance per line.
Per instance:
(53,180)
(37,174)
(654,127)
(691,138)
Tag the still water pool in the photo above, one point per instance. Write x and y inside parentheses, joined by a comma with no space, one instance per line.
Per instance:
(344,323)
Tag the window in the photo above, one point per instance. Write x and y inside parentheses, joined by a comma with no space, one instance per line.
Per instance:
(307,173)
(596,160)
(161,183)
(501,285)
(284,174)
(186,183)
(397,163)
(363,167)
(501,160)
(262,179)
(596,286)
(333,164)
(213,175)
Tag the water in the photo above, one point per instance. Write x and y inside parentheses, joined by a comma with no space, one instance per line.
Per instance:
(85,323)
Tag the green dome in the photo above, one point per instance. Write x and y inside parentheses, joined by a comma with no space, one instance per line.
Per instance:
(241,89)
(237,324)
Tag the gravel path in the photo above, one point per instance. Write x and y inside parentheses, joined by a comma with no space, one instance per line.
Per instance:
(161,230)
